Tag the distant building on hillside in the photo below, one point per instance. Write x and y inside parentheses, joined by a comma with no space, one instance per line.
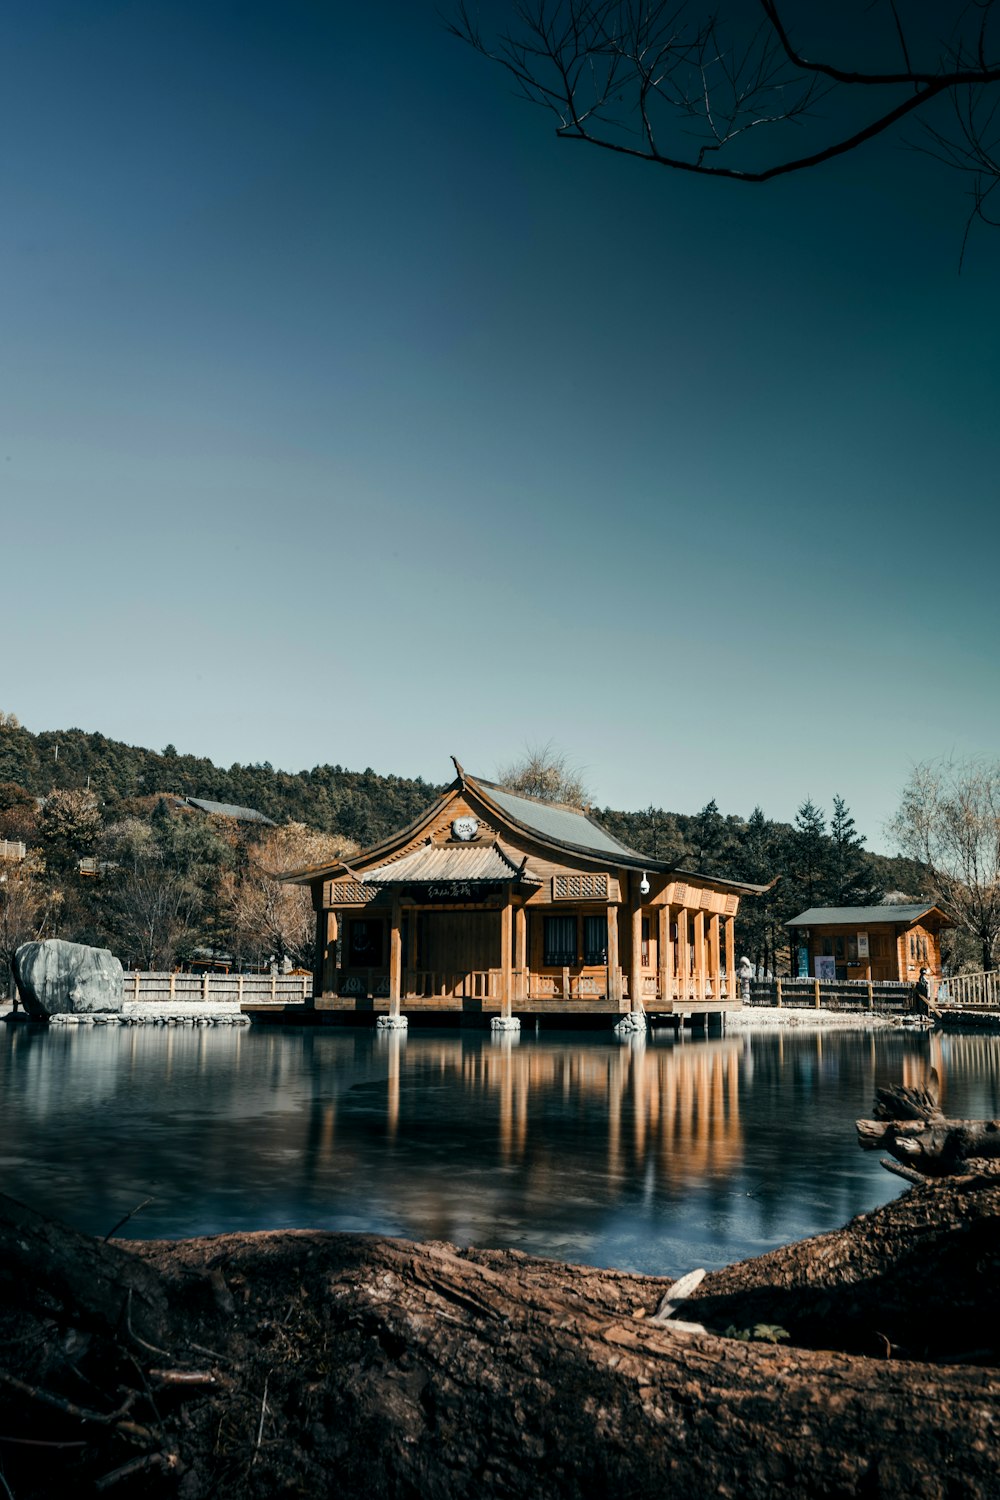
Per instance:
(228,810)
(887,942)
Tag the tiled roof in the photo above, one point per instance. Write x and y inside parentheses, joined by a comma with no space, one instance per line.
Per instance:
(431,864)
(229,810)
(860,916)
(556,823)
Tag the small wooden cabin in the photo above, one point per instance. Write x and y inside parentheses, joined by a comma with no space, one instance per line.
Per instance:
(868,942)
(495,903)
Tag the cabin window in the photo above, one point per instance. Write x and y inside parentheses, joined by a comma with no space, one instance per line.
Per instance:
(595,939)
(559,942)
(365,943)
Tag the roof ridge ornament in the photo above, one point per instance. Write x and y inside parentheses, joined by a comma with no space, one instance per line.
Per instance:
(459,771)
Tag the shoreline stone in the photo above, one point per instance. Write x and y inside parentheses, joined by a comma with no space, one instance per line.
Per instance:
(54,977)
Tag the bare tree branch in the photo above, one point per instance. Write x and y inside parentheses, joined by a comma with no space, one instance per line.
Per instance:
(642,78)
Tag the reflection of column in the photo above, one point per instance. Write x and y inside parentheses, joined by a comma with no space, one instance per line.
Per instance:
(505,1062)
(394,1040)
(640,1100)
(615,1111)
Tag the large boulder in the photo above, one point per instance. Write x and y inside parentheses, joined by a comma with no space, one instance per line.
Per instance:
(56,978)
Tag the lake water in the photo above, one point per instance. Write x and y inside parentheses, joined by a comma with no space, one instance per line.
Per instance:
(655,1156)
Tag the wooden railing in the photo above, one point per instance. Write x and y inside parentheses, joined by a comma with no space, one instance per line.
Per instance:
(567,985)
(428,984)
(12,849)
(256,989)
(971,990)
(702,987)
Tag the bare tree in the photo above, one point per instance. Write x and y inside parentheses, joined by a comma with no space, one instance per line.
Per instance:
(546,773)
(27,906)
(267,918)
(715,94)
(949,820)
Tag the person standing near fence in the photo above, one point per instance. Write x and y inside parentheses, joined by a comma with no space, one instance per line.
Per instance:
(746,974)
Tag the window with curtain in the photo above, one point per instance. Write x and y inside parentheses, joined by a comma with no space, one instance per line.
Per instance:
(559,942)
(595,939)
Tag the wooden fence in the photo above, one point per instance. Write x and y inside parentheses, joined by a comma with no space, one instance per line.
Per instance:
(248,989)
(12,849)
(832,994)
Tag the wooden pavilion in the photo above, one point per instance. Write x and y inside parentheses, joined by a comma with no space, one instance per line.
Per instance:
(493,903)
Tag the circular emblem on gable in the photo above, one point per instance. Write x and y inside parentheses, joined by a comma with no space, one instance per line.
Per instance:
(465,829)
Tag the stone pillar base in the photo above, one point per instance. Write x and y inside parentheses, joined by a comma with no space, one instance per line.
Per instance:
(392,1023)
(631,1024)
(505,1023)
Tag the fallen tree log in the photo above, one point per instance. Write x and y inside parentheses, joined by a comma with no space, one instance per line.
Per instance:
(909,1124)
(362,1367)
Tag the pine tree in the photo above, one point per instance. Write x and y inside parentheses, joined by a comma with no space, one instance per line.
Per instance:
(852,881)
(812,852)
(708,833)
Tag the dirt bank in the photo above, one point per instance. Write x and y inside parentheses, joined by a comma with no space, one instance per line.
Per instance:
(297,1364)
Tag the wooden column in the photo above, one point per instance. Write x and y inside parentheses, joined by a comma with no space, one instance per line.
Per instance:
(699,954)
(395,958)
(614,968)
(635,960)
(714,955)
(506,945)
(521,950)
(663,952)
(731,958)
(325,973)
(683,956)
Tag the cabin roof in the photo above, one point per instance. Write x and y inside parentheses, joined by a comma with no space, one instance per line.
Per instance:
(861,916)
(433,863)
(229,810)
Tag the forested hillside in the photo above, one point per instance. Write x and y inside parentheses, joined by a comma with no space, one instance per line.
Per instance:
(169,884)
(358,805)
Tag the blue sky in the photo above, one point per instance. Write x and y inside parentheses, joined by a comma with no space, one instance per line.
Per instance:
(347,415)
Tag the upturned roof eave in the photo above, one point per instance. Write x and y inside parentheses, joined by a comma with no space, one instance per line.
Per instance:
(309,874)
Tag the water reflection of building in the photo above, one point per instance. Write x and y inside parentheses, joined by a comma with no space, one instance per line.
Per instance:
(675,1107)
